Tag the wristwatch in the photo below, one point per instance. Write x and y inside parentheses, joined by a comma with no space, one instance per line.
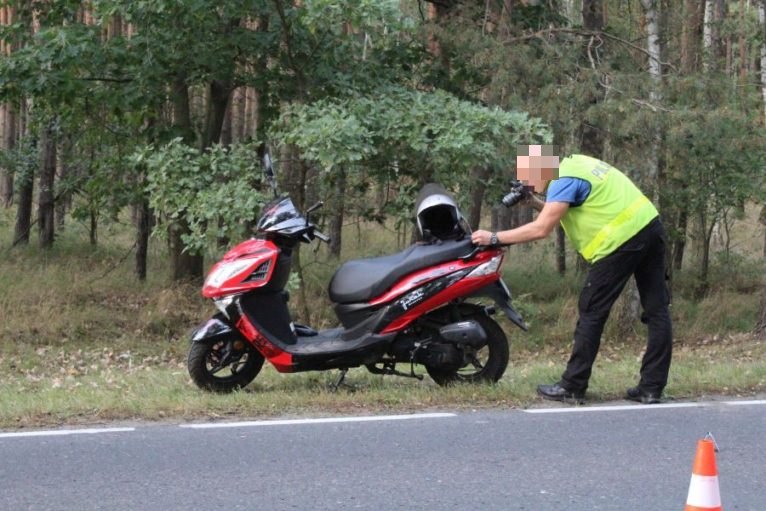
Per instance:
(493,239)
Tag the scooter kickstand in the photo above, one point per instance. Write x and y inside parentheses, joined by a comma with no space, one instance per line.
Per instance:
(335,386)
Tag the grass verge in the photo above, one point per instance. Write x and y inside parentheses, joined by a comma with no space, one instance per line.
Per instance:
(100,385)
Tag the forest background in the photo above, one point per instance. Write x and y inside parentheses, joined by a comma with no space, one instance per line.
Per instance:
(128,139)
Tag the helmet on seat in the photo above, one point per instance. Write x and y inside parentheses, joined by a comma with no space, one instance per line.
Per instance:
(438,216)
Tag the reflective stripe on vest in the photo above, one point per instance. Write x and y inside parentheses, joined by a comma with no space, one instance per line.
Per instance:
(590,249)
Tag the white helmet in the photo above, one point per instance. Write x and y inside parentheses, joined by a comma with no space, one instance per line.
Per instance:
(438,216)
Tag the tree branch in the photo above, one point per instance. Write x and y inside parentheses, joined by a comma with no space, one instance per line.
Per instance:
(585,33)
(105,79)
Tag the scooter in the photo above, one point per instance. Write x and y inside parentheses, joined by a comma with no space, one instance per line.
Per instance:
(416,307)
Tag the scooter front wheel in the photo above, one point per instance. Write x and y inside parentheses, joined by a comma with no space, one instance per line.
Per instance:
(483,364)
(224,365)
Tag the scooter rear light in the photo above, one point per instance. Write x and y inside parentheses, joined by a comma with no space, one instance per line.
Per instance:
(487,268)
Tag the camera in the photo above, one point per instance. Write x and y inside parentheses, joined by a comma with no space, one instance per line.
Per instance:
(518,193)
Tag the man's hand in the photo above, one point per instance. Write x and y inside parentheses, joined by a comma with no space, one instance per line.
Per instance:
(480,237)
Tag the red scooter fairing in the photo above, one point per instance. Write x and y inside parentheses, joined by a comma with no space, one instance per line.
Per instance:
(246,267)
(263,317)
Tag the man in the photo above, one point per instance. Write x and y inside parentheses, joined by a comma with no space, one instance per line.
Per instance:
(618,231)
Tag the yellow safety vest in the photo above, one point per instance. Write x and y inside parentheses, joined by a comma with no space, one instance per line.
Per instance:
(613,213)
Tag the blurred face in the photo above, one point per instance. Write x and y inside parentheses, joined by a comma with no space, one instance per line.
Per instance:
(536,166)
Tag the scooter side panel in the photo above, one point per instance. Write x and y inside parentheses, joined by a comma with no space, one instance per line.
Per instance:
(419,278)
(281,360)
(432,296)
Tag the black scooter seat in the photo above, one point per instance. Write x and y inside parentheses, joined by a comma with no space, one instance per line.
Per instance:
(361,280)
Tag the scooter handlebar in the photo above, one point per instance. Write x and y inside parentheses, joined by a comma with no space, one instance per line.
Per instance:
(482,248)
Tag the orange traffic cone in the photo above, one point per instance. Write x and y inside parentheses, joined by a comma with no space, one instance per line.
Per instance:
(703,488)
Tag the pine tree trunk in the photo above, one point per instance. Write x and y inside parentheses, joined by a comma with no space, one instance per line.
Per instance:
(762,19)
(707,236)
(46,220)
(93,231)
(709,36)
(526,215)
(591,136)
(651,12)
(691,36)
(227,128)
(143,229)
(479,176)
(220,93)
(184,266)
(691,60)
(336,216)
(8,142)
(25,187)
(293,179)
(714,49)
(502,218)
(561,251)
(7,121)
(762,219)
(679,246)
(181,111)
(742,45)
(63,201)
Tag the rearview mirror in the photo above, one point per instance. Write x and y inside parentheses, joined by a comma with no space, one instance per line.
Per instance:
(268,167)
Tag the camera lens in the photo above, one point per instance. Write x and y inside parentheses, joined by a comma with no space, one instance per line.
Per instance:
(512,198)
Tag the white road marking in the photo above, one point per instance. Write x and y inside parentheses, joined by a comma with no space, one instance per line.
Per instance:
(326,420)
(64,432)
(639,407)
(580,409)
(746,403)
(379,418)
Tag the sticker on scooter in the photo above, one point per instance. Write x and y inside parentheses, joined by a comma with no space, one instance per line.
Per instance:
(412,298)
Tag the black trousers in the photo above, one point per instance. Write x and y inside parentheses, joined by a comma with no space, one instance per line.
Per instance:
(642,256)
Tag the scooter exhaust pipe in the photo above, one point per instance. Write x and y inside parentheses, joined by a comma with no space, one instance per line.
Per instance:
(464,332)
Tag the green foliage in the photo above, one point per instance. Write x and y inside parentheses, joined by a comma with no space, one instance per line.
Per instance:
(718,157)
(400,133)
(341,48)
(356,15)
(21,161)
(214,191)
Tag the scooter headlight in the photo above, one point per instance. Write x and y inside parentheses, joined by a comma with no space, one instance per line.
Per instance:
(226,271)
(487,268)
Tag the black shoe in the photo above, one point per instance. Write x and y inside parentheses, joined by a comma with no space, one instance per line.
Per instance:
(556,392)
(642,396)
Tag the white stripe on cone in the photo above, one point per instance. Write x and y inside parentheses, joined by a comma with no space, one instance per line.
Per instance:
(703,492)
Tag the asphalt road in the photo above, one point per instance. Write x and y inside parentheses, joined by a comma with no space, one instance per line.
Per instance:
(625,458)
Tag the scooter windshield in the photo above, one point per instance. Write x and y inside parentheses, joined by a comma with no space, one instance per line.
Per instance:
(281,215)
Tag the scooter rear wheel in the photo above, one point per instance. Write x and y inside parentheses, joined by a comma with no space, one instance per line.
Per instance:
(223,366)
(485,364)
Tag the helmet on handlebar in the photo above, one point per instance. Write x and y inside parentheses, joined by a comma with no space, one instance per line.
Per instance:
(438,216)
